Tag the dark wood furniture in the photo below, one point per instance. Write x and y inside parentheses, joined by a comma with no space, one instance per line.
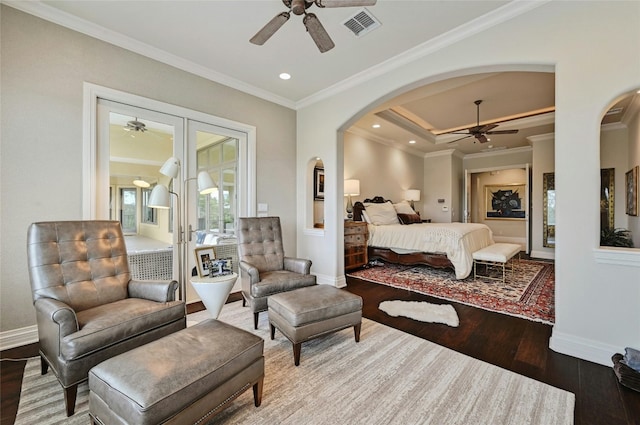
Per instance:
(356,235)
(375,253)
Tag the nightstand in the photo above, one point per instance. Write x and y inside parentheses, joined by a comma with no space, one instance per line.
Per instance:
(356,235)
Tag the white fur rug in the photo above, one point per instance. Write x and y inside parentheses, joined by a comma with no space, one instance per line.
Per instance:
(422,311)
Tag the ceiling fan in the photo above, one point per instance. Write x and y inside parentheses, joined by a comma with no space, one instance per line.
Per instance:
(480,131)
(135,125)
(310,20)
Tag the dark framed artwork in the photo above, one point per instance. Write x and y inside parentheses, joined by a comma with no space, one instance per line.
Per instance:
(631,189)
(505,202)
(318,184)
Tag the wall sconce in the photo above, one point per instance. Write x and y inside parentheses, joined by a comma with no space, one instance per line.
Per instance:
(160,198)
(412,195)
(351,188)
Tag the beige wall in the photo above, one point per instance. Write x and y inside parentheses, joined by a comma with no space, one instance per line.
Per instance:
(438,172)
(382,170)
(43,70)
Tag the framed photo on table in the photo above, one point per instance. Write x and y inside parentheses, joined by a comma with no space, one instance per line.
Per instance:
(631,189)
(204,260)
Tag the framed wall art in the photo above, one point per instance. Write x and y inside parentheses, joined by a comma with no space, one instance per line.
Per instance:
(505,202)
(204,260)
(318,184)
(631,189)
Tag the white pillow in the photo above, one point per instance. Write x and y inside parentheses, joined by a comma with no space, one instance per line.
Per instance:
(403,208)
(383,213)
(365,216)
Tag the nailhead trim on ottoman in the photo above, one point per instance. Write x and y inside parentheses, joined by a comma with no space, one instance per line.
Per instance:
(185,377)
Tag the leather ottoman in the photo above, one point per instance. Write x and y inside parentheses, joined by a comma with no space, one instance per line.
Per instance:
(307,313)
(185,377)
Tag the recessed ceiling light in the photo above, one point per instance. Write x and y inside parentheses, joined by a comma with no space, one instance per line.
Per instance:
(412,142)
(376,126)
(285,76)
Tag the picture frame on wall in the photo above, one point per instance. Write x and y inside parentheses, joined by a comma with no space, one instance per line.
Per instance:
(505,202)
(631,189)
(318,184)
(205,257)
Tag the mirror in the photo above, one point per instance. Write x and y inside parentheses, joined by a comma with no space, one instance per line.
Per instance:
(607,200)
(548,210)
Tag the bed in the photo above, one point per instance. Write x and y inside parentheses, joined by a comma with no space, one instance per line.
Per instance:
(441,245)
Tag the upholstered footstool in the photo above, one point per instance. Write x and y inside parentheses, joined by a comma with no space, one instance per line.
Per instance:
(307,313)
(185,377)
(498,255)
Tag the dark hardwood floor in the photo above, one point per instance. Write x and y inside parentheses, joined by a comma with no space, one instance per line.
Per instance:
(515,344)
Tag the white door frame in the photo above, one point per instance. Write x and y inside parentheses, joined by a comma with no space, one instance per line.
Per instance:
(467,195)
(93,181)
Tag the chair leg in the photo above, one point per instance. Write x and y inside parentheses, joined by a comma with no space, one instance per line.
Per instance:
(70,399)
(273,331)
(244,301)
(356,331)
(44,366)
(255,320)
(257,392)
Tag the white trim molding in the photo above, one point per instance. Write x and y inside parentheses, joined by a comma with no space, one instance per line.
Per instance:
(18,337)
(583,348)
(617,256)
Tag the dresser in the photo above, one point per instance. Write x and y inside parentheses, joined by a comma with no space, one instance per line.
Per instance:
(356,235)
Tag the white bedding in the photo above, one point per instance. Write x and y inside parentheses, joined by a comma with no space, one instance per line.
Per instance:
(457,240)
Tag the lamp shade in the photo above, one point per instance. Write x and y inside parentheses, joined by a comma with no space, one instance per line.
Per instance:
(412,195)
(171,167)
(205,183)
(159,197)
(352,187)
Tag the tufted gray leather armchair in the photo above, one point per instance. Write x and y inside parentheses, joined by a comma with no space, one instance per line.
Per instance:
(88,308)
(265,269)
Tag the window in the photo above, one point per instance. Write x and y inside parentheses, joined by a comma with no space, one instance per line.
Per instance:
(128,209)
(217,211)
(149,215)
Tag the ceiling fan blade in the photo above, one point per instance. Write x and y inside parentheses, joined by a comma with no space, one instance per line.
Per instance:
(486,128)
(465,137)
(268,30)
(482,138)
(318,33)
(502,132)
(344,3)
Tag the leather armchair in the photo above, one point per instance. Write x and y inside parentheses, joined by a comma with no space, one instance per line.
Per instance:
(88,308)
(264,268)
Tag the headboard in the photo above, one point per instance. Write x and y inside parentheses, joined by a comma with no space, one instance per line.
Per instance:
(358,207)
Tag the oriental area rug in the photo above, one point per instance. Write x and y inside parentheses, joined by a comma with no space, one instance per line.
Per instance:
(527,293)
(389,377)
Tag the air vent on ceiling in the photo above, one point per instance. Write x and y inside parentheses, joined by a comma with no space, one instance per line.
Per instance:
(361,23)
(613,111)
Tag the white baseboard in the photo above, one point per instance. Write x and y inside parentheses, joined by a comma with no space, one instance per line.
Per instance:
(337,281)
(18,337)
(543,254)
(583,348)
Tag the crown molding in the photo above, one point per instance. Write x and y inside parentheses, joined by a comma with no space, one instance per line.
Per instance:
(377,139)
(466,30)
(522,149)
(51,14)
(613,126)
(541,137)
(493,18)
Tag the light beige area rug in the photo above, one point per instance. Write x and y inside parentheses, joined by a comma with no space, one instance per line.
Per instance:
(389,377)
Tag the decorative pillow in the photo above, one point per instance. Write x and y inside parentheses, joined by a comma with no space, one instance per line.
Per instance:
(383,213)
(403,208)
(409,218)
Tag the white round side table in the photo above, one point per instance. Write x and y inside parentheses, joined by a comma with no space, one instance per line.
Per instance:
(214,291)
